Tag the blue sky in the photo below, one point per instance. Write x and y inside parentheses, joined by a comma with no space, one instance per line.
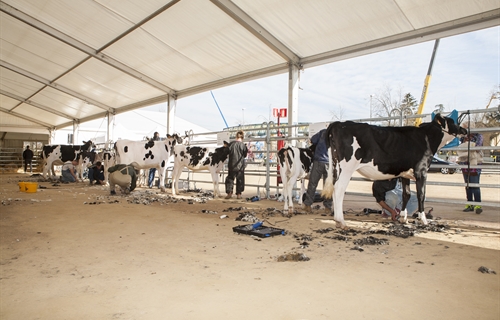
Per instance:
(466,70)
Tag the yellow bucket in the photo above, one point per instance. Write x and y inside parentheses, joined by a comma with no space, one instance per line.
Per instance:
(31,187)
(22,186)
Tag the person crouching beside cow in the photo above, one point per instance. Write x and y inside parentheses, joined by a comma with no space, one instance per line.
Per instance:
(96,173)
(68,171)
(123,175)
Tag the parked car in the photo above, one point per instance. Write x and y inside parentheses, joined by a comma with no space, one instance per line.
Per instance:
(437,162)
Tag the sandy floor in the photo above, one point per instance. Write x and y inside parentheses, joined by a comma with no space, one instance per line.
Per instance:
(73,252)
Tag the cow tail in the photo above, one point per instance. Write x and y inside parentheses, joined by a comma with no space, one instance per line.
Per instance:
(287,162)
(333,166)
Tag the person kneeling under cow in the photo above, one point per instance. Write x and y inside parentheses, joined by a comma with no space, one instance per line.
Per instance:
(68,171)
(389,195)
(123,175)
(96,173)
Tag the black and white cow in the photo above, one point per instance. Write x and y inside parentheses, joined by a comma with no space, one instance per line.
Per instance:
(381,153)
(147,154)
(85,160)
(58,154)
(199,158)
(295,164)
(108,159)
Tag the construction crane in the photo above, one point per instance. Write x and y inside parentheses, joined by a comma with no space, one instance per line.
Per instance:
(418,121)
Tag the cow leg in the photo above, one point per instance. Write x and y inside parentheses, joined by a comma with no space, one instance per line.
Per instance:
(53,177)
(421,197)
(215,182)
(284,181)
(161,176)
(176,173)
(288,197)
(406,196)
(338,201)
(302,189)
(46,170)
(106,174)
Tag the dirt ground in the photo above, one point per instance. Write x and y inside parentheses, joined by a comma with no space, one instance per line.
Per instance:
(71,251)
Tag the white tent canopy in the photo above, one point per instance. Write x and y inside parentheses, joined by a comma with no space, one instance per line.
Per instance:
(64,62)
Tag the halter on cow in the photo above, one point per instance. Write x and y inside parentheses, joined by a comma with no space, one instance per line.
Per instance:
(380,153)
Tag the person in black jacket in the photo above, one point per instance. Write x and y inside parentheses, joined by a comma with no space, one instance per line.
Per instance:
(28,158)
(96,173)
(236,166)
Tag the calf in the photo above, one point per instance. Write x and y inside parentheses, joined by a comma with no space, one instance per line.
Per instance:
(380,153)
(199,158)
(58,154)
(295,164)
(147,154)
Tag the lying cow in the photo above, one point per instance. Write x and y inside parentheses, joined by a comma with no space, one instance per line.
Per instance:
(381,153)
(295,164)
(199,158)
(147,154)
(53,155)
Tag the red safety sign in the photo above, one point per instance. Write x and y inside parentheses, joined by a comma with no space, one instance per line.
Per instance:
(279,113)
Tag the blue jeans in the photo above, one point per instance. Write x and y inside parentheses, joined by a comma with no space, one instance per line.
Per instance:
(151,179)
(319,170)
(473,193)
(394,199)
(66,176)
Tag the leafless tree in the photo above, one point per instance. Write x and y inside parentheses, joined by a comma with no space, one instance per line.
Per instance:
(337,115)
(392,102)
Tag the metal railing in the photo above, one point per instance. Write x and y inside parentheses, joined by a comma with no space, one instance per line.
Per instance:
(267,135)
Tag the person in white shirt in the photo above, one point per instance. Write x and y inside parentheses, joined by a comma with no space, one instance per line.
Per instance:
(68,171)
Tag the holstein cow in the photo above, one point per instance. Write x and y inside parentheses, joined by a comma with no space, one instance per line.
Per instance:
(199,158)
(58,154)
(85,160)
(295,164)
(380,153)
(108,159)
(147,154)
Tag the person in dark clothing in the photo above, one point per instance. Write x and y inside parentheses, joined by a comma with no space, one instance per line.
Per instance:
(28,158)
(152,171)
(236,166)
(319,170)
(96,173)
(389,195)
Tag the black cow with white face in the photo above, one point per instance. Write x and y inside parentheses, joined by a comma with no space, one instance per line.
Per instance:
(199,158)
(381,153)
(58,154)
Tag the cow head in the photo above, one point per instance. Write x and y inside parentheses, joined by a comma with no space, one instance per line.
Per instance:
(449,126)
(221,153)
(87,145)
(87,158)
(174,138)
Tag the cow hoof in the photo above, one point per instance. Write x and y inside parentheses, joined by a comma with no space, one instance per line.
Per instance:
(341,225)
